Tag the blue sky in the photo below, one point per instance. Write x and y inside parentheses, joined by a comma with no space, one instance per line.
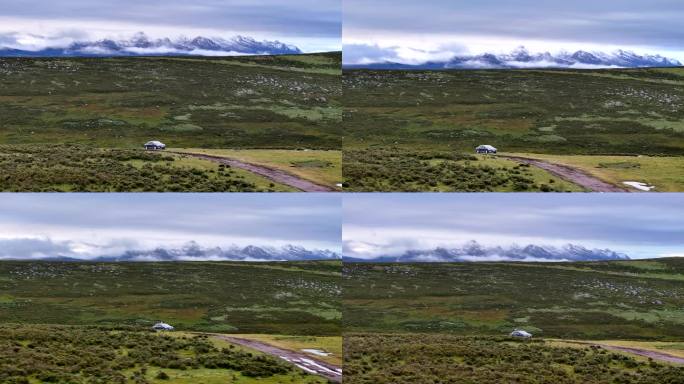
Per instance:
(312,25)
(638,225)
(90,225)
(416,31)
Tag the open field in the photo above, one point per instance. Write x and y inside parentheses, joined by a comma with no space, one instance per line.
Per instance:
(86,354)
(51,310)
(553,112)
(320,167)
(418,323)
(284,102)
(423,171)
(69,168)
(430,358)
(290,298)
(631,300)
(331,345)
(280,103)
(662,172)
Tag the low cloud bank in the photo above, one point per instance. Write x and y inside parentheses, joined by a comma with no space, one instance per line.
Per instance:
(47,249)
(25,45)
(376,57)
(475,252)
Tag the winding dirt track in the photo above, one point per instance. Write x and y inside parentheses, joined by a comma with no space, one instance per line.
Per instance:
(275,175)
(301,360)
(647,353)
(637,351)
(573,175)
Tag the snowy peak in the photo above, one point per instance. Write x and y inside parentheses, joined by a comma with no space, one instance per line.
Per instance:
(475,252)
(141,45)
(522,58)
(194,252)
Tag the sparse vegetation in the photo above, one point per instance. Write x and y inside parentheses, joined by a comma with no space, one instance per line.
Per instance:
(243,102)
(449,323)
(321,167)
(554,112)
(278,298)
(663,172)
(584,300)
(75,168)
(80,322)
(88,354)
(49,105)
(403,170)
(429,358)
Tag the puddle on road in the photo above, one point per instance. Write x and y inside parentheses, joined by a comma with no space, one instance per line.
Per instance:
(317,352)
(639,185)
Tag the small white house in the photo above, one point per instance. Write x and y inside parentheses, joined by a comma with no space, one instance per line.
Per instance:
(155,145)
(161,326)
(485,149)
(521,334)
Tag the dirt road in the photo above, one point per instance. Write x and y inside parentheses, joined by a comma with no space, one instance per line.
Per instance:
(301,360)
(573,175)
(645,352)
(275,175)
(655,355)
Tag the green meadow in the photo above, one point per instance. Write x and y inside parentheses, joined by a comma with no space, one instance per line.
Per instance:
(81,322)
(277,298)
(270,103)
(390,115)
(407,323)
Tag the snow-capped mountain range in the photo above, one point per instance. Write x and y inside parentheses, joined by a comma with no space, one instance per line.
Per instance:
(474,252)
(522,58)
(141,45)
(194,252)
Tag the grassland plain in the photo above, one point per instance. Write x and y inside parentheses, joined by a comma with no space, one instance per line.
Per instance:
(73,168)
(390,116)
(438,358)
(89,354)
(290,298)
(321,167)
(452,321)
(270,103)
(107,309)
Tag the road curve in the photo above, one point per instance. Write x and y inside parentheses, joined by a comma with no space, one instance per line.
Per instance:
(275,175)
(301,360)
(573,175)
(646,353)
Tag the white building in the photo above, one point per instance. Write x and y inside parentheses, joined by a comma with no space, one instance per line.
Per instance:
(521,334)
(160,326)
(155,145)
(485,149)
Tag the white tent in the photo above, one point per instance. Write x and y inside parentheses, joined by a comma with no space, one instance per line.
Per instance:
(154,144)
(521,333)
(485,149)
(160,326)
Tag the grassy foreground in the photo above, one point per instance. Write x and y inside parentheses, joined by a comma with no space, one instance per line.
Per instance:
(662,172)
(441,171)
(281,102)
(625,112)
(449,323)
(429,358)
(327,344)
(630,300)
(83,354)
(320,167)
(290,298)
(70,168)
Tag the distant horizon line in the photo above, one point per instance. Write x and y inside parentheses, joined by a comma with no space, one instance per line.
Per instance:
(354,260)
(165,55)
